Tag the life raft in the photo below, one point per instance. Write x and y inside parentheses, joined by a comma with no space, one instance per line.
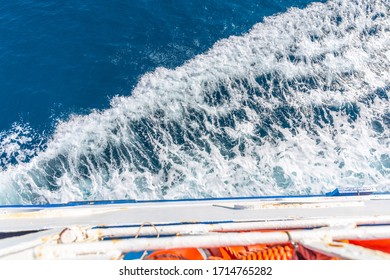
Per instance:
(260,252)
(252,252)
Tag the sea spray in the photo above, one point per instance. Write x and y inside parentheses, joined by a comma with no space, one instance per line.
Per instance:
(298,105)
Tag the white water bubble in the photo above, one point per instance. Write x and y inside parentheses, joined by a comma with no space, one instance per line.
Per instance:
(297,105)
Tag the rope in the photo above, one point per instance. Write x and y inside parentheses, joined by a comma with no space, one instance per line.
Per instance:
(142,225)
(278,252)
(139,232)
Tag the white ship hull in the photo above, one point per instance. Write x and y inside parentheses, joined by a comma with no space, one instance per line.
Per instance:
(120,229)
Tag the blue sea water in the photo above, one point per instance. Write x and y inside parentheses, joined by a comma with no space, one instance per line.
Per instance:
(61,58)
(163,99)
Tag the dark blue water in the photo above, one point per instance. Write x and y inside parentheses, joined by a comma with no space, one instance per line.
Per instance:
(181,99)
(64,57)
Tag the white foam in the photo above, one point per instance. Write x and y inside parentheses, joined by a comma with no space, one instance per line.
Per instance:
(307,59)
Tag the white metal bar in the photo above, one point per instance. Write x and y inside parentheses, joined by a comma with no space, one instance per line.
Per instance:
(209,241)
(97,233)
(16,244)
(29,254)
(345,251)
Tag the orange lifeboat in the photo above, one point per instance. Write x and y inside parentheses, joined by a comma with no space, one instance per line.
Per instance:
(252,252)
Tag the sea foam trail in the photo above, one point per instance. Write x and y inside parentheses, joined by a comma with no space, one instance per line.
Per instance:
(298,105)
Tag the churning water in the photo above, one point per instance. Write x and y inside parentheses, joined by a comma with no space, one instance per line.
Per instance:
(299,104)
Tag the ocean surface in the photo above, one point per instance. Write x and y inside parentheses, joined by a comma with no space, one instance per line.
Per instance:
(165,99)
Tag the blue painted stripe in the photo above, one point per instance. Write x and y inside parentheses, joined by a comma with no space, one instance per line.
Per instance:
(108,202)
